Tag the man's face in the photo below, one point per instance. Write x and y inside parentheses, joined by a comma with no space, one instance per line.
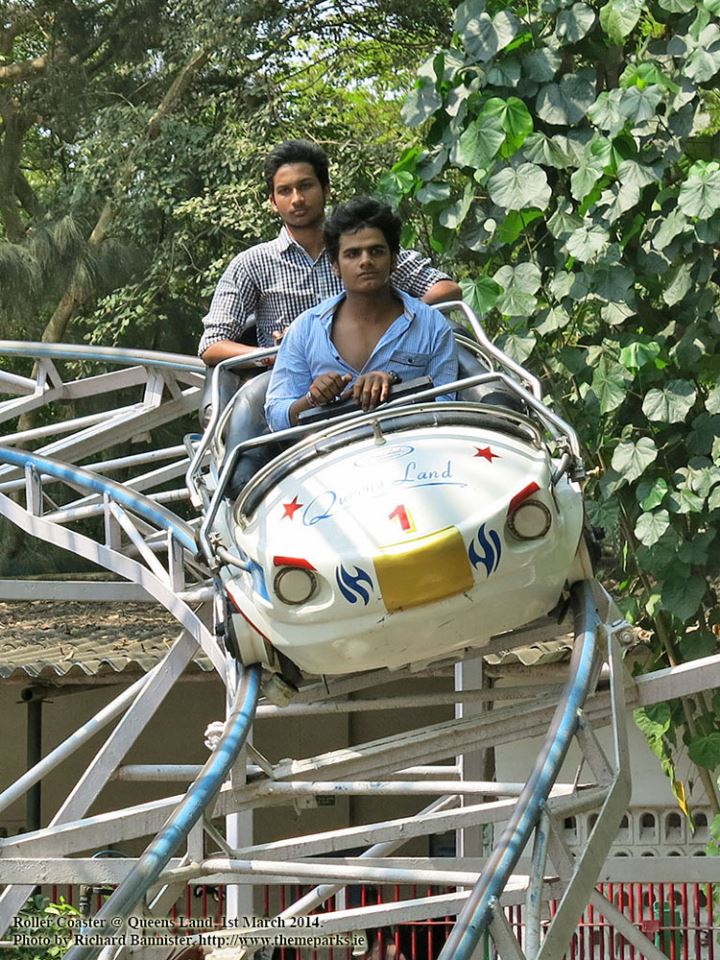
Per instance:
(364,261)
(298,197)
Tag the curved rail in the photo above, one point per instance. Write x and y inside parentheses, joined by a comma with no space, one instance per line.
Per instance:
(143,506)
(502,358)
(133,888)
(72,351)
(477,912)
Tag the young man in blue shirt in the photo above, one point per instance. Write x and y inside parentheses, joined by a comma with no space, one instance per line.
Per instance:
(359,342)
(275,282)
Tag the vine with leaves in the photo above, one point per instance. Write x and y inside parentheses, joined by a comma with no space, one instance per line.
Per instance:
(567,167)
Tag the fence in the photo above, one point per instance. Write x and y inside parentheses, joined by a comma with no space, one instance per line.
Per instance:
(680,919)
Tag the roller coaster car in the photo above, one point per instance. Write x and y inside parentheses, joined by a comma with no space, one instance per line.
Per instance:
(398,536)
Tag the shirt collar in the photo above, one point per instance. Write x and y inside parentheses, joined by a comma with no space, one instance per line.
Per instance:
(326,310)
(285,242)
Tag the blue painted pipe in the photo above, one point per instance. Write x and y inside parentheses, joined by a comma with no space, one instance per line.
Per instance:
(476,915)
(151,511)
(130,892)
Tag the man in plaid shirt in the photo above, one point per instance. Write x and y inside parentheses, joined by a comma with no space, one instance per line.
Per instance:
(275,282)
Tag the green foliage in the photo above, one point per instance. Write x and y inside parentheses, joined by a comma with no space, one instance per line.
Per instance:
(47,930)
(575,149)
(189,197)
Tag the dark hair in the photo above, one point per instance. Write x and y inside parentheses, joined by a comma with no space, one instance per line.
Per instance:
(356,214)
(296,151)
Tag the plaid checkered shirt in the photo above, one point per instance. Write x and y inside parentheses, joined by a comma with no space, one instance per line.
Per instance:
(275,282)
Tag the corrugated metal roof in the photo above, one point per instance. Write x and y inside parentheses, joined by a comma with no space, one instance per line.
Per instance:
(65,640)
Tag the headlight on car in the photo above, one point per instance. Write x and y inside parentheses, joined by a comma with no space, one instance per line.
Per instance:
(295,585)
(528,518)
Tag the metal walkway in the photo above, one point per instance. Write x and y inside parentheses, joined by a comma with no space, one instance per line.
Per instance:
(53,486)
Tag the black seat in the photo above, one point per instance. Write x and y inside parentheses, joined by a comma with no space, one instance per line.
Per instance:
(496,394)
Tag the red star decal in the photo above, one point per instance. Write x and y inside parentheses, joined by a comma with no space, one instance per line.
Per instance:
(487,454)
(291,508)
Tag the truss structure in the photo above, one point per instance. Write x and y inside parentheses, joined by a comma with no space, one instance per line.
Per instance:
(56,484)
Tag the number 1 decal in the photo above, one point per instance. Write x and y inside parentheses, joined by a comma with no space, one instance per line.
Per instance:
(402,514)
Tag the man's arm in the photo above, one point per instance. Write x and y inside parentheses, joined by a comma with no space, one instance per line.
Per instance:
(234,301)
(416,275)
(222,349)
(442,292)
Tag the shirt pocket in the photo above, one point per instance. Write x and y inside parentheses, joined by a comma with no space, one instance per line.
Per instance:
(412,363)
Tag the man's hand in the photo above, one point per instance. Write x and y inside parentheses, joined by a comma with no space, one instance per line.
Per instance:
(324,389)
(327,387)
(371,389)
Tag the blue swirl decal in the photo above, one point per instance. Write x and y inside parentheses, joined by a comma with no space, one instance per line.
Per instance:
(491,550)
(351,586)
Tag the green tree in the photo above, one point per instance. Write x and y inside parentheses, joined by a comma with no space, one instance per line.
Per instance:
(131,136)
(567,164)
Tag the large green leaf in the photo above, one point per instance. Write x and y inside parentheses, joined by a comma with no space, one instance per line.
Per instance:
(704,62)
(639,105)
(475,233)
(704,750)
(541,64)
(700,193)
(481,294)
(654,721)
(566,103)
(611,281)
(517,188)
(564,220)
(504,73)
(587,242)
(480,141)
(541,149)
(651,526)
(610,384)
(615,314)
(678,284)
(631,458)
(433,193)
(454,214)
(519,285)
(467,11)
(514,118)
(671,404)
(421,103)
(619,17)
(483,36)
(651,493)
(573,24)
(670,227)
(636,174)
(566,284)
(517,122)
(618,200)
(519,346)
(586,176)
(525,276)
(606,114)
(677,6)
(552,320)
(514,224)
(639,354)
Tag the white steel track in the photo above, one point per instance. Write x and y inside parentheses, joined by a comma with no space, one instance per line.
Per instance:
(56,485)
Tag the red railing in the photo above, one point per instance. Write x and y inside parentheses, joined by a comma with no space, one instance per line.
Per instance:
(679,918)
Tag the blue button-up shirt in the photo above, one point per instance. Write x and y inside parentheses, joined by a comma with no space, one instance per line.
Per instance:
(277,281)
(418,343)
